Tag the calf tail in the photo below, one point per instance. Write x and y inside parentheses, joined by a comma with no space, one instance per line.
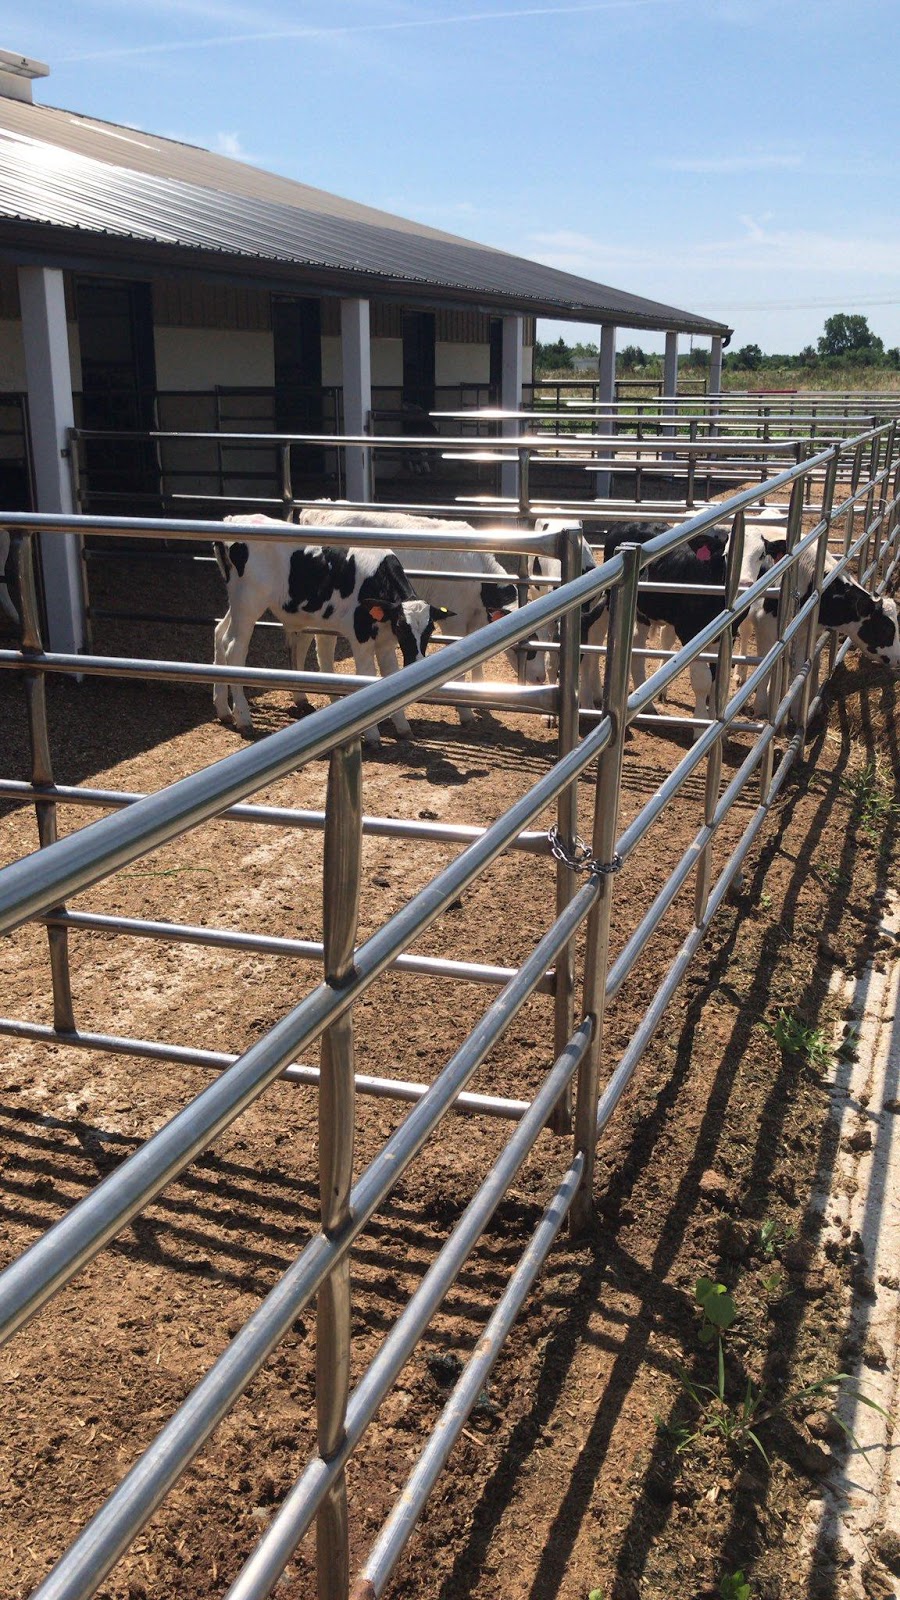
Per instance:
(222,560)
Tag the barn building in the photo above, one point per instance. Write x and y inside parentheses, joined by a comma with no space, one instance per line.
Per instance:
(150,284)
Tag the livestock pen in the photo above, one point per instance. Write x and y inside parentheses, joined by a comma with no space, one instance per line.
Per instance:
(559,937)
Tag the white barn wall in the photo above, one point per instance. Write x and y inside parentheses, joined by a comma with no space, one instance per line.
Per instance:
(461,363)
(201,358)
(387,362)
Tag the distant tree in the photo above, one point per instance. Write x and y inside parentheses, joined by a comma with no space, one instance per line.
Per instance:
(553,357)
(749,357)
(892,357)
(632,356)
(696,359)
(585,350)
(808,355)
(850,336)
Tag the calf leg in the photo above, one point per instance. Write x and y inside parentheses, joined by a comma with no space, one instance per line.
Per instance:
(236,647)
(298,644)
(386,655)
(222,637)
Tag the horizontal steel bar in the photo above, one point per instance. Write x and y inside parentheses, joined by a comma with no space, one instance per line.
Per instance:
(107,1536)
(535,843)
(622,1074)
(266,944)
(507,697)
(29,1281)
(501,539)
(281,1538)
(217,1060)
(35,884)
(383,1556)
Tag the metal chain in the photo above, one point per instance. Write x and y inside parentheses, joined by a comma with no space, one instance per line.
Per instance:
(581,857)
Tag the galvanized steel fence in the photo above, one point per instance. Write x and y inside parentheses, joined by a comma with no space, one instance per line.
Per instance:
(856,494)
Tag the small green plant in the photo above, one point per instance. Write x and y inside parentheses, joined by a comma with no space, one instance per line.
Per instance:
(872,800)
(734,1586)
(765,900)
(737,1423)
(774,1235)
(796,1038)
(772,1280)
(597,1594)
(834,876)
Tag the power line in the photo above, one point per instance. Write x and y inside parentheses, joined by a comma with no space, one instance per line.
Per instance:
(844,301)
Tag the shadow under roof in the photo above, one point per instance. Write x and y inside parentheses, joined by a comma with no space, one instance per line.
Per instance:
(95,195)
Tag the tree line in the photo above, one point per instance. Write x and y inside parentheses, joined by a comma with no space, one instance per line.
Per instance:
(847,340)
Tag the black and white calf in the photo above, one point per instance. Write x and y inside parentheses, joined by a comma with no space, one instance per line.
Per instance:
(362,595)
(593,613)
(871,624)
(702,560)
(471,604)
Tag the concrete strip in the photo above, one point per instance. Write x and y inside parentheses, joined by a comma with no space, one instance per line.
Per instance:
(856,1522)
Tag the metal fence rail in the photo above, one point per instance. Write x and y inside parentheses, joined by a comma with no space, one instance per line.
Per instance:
(856,482)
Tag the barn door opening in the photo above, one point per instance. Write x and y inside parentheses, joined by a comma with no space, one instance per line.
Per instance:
(118,391)
(297,341)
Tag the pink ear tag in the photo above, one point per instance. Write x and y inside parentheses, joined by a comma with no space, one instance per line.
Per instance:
(704,554)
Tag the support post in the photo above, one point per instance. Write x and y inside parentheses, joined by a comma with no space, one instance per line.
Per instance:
(623,607)
(569,550)
(41,764)
(356,369)
(340,911)
(511,371)
(715,380)
(606,396)
(670,378)
(51,415)
(812,626)
(720,693)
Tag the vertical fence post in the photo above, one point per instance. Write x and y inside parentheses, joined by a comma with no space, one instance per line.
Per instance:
(720,693)
(809,645)
(623,606)
(874,454)
(340,910)
(41,762)
(786,607)
(567,806)
(885,470)
(287,488)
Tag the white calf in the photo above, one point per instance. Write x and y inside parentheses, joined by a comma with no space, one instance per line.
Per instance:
(363,595)
(472,605)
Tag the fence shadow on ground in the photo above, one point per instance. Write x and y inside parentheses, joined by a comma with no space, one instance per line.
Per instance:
(651,1510)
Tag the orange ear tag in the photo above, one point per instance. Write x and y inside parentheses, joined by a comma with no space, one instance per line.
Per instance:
(377,613)
(494,616)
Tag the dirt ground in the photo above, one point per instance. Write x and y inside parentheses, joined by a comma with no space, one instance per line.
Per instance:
(569,1477)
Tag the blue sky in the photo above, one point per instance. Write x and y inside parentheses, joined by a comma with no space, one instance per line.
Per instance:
(732,157)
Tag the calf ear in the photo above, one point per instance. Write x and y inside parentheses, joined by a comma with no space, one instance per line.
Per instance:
(439,613)
(775,548)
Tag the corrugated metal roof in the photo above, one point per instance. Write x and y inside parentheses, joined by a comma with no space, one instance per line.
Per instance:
(92,184)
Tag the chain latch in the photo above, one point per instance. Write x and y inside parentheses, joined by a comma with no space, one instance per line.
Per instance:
(581,857)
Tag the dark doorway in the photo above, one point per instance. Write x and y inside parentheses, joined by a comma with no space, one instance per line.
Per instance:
(118,390)
(297,341)
(418,360)
(495,377)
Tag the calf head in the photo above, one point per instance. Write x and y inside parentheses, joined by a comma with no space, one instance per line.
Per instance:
(709,545)
(412,622)
(879,633)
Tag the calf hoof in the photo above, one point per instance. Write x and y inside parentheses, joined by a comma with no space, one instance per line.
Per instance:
(467,718)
